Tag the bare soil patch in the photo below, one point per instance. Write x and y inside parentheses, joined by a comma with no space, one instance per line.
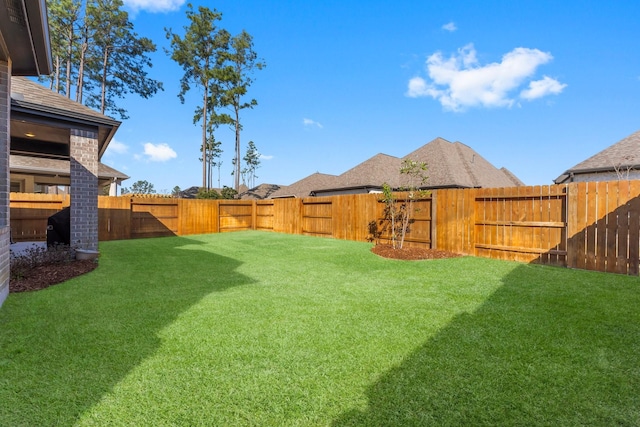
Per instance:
(411,253)
(47,275)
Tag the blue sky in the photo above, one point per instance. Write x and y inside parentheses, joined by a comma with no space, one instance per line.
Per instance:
(534,86)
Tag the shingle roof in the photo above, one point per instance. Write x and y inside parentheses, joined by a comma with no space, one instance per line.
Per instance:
(25,91)
(454,164)
(262,191)
(624,153)
(449,165)
(377,170)
(27,164)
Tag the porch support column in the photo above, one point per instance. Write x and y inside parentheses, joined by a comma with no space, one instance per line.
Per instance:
(84,189)
(5,140)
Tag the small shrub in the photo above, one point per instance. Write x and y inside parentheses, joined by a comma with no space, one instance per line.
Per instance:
(398,214)
(39,256)
(203,193)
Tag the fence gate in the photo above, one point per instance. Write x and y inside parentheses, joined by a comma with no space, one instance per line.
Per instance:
(526,224)
(154,217)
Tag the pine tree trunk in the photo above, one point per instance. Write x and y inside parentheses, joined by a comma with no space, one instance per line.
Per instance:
(204,135)
(103,96)
(69,53)
(57,75)
(80,83)
(238,159)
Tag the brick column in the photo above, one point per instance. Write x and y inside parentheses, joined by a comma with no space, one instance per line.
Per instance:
(5,140)
(84,189)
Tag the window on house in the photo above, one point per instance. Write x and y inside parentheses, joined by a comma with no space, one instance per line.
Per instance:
(16,187)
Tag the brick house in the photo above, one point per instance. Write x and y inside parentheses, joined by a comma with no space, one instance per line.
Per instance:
(24,51)
(81,136)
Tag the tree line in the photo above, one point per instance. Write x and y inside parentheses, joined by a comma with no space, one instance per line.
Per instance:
(99,59)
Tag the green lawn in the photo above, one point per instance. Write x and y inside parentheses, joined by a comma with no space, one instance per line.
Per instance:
(267,329)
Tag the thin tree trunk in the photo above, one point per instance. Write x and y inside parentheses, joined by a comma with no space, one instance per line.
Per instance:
(80,83)
(238,159)
(69,52)
(204,135)
(57,75)
(105,61)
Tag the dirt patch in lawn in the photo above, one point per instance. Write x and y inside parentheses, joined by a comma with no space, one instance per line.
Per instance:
(46,275)
(387,251)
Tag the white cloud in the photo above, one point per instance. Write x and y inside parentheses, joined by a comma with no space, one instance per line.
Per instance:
(309,122)
(154,6)
(265,157)
(544,87)
(451,27)
(159,152)
(460,81)
(117,147)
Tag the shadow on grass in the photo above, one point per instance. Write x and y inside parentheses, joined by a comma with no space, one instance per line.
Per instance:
(550,347)
(64,348)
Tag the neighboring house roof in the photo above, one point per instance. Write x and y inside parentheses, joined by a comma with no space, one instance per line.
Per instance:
(24,36)
(456,165)
(377,170)
(32,99)
(623,155)
(449,165)
(305,186)
(262,191)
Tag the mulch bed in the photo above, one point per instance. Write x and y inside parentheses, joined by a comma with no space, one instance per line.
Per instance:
(46,275)
(411,253)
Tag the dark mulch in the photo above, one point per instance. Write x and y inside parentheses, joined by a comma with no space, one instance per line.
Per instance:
(46,275)
(411,253)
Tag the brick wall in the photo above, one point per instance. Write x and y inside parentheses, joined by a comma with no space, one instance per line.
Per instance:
(5,233)
(84,189)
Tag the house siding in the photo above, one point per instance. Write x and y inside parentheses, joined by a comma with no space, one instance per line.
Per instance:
(84,184)
(5,230)
(606,176)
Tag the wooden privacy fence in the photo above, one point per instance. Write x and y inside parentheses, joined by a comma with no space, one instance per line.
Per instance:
(29,214)
(593,226)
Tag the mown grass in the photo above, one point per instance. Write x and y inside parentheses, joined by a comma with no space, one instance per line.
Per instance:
(267,329)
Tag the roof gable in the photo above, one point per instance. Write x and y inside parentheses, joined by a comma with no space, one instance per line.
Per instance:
(305,186)
(454,164)
(377,170)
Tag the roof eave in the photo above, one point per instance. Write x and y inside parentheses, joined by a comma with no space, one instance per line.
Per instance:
(565,177)
(52,112)
(27,41)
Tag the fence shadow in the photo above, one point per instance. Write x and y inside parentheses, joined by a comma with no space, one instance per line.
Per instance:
(539,351)
(65,361)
